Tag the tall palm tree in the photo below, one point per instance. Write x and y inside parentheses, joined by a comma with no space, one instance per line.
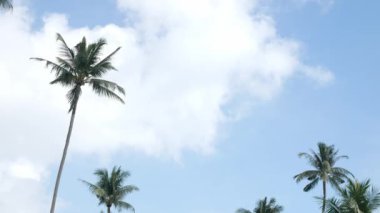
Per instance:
(110,189)
(75,68)
(263,206)
(7,4)
(324,169)
(356,197)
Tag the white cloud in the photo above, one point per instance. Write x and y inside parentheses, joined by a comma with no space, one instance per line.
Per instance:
(23,169)
(325,4)
(20,188)
(322,75)
(181,63)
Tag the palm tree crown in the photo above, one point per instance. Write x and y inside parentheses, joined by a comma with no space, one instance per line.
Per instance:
(110,189)
(263,206)
(82,65)
(356,197)
(324,169)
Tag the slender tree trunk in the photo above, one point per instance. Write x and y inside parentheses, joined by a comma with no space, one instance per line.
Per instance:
(109,209)
(324,197)
(52,208)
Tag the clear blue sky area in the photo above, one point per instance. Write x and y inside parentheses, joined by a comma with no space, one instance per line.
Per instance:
(257,156)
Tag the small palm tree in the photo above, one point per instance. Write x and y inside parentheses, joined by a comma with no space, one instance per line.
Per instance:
(110,189)
(263,206)
(7,4)
(75,68)
(324,170)
(356,197)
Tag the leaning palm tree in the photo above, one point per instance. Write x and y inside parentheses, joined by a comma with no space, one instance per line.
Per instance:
(356,197)
(7,4)
(110,189)
(263,206)
(75,68)
(324,169)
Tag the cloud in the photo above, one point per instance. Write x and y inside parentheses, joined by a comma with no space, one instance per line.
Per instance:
(25,170)
(21,189)
(182,63)
(325,4)
(320,74)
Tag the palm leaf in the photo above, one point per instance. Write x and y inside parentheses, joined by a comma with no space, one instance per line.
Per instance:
(65,49)
(104,90)
(73,96)
(54,67)
(241,210)
(94,51)
(104,65)
(65,79)
(124,205)
(7,4)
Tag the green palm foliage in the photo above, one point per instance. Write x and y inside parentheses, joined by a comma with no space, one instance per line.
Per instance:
(356,197)
(263,206)
(7,4)
(324,169)
(76,67)
(110,189)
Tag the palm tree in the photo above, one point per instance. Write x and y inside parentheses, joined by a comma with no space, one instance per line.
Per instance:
(356,197)
(333,205)
(110,189)
(324,170)
(7,4)
(263,206)
(75,68)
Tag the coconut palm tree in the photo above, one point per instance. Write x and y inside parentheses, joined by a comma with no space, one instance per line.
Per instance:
(110,189)
(75,68)
(324,169)
(263,206)
(333,205)
(7,4)
(356,197)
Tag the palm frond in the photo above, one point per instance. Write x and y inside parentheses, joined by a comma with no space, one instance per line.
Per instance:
(67,64)
(7,4)
(73,96)
(94,51)
(96,190)
(65,79)
(311,185)
(65,49)
(108,84)
(241,210)
(124,190)
(103,89)
(120,205)
(310,158)
(342,172)
(373,198)
(104,65)
(54,67)
(333,205)
(309,174)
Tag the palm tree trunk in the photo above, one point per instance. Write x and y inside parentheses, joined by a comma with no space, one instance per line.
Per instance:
(58,180)
(324,197)
(109,209)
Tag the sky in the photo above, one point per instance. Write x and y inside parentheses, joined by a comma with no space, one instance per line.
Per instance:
(221,96)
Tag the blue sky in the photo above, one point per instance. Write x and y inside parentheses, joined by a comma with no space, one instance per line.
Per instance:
(245,157)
